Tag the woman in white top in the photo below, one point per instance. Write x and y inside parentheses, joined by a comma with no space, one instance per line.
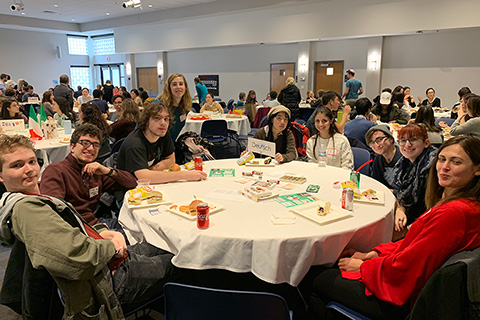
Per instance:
(85,97)
(339,153)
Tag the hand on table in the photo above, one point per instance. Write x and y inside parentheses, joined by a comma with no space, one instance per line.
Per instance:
(400,219)
(350,264)
(195,175)
(443,124)
(279,158)
(118,240)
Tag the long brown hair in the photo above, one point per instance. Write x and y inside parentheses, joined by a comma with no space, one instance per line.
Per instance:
(434,192)
(166,96)
(130,110)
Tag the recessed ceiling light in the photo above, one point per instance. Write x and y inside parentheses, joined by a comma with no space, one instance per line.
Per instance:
(55,5)
(150,5)
(23,13)
(108,13)
(73,19)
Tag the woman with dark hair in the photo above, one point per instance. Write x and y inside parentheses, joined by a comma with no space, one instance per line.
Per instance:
(136,97)
(47,100)
(387,112)
(89,113)
(468,123)
(431,100)
(290,97)
(425,116)
(211,104)
(85,97)
(278,130)
(11,110)
(410,175)
(63,111)
(251,105)
(409,100)
(201,90)
(335,144)
(176,97)
(127,122)
(385,282)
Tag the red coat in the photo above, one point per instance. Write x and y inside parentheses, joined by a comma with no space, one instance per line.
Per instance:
(403,267)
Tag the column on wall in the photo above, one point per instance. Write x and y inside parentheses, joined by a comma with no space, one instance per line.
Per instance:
(374,67)
(130,73)
(303,70)
(162,69)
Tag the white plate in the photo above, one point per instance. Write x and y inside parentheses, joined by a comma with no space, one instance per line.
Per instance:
(213,208)
(166,200)
(380,195)
(309,211)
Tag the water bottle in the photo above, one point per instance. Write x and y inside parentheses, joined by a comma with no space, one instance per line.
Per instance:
(67,126)
(322,155)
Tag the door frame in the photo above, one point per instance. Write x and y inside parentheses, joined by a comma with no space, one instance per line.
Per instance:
(315,72)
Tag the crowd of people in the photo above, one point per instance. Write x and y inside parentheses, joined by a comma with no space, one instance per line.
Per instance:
(434,180)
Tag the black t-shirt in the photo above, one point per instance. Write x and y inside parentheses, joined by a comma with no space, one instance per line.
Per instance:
(138,153)
(383,171)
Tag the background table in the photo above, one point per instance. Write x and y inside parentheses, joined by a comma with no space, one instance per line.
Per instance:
(240,125)
(52,150)
(241,237)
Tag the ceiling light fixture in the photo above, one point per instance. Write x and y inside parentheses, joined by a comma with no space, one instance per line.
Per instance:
(132,4)
(17,6)
(108,13)
(55,5)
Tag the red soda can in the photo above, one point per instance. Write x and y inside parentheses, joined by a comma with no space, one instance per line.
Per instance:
(347,199)
(203,216)
(199,163)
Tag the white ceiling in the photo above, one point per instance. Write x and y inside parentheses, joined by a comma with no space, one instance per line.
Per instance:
(82,11)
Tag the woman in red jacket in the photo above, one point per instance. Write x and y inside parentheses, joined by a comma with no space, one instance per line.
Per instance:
(385,282)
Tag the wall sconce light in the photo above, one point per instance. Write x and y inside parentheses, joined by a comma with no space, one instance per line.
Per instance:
(374,61)
(128,69)
(303,64)
(160,68)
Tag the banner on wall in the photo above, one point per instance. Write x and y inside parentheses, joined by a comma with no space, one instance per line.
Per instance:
(211,82)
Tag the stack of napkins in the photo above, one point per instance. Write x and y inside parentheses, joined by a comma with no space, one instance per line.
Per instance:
(282,217)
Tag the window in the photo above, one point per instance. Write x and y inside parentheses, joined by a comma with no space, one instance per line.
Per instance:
(103,45)
(77,45)
(80,76)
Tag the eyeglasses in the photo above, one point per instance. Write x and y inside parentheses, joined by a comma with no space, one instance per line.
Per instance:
(413,140)
(377,141)
(86,144)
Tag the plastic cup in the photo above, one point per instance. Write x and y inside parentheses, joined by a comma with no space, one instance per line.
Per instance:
(143,182)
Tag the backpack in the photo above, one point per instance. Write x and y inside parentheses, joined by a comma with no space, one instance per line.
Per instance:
(301,134)
(190,145)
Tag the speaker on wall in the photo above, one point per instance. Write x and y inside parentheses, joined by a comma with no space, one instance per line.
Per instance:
(59,52)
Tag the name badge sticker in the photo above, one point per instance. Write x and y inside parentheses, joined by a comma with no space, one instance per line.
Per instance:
(183,117)
(332,151)
(93,192)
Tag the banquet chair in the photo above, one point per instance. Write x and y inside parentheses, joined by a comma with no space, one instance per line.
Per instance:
(231,105)
(346,312)
(185,302)
(196,107)
(216,131)
(360,156)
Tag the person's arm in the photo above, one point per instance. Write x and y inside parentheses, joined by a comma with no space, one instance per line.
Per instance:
(291,153)
(156,177)
(347,90)
(399,116)
(360,91)
(310,152)
(164,164)
(398,275)
(115,178)
(219,107)
(341,125)
(53,182)
(466,128)
(53,244)
(346,154)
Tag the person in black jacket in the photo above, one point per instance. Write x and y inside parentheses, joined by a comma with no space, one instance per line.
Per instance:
(290,97)
(108,91)
(63,90)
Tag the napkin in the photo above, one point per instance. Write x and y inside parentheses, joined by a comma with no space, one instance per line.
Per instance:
(282,217)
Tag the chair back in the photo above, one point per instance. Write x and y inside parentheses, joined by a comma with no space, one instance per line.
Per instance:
(184,302)
(360,156)
(231,105)
(448,121)
(196,107)
(214,129)
(116,146)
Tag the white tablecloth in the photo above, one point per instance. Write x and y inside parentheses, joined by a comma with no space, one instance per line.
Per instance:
(52,150)
(241,237)
(240,125)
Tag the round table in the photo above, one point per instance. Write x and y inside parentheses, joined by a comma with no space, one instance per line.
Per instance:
(240,125)
(52,150)
(242,238)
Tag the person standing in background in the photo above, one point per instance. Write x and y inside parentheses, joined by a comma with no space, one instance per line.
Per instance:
(290,97)
(108,91)
(353,88)
(63,90)
(201,90)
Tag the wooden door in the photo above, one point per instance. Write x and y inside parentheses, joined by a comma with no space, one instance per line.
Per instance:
(329,76)
(147,78)
(279,72)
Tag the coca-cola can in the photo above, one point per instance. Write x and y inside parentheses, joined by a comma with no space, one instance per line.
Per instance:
(347,199)
(199,163)
(203,216)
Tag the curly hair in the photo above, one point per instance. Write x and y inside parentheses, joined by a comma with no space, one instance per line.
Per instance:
(91,114)
(151,110)
(86,129)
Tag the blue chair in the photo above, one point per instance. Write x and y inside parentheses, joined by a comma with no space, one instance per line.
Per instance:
(116,146)
(231,105)
(346,312)
(185,302)
(448,121)
(263,123)
(216,131)
(360,156)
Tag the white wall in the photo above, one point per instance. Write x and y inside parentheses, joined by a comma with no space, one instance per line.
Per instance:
(32,56)
(240,68)
(445,61)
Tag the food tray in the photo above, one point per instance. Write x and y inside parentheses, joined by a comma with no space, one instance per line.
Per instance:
(175,209)
(309,211)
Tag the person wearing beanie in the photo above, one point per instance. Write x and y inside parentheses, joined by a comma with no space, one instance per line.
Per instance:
(278,130)
(381,141)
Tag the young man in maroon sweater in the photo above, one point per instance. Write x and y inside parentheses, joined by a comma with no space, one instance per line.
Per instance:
(79,179)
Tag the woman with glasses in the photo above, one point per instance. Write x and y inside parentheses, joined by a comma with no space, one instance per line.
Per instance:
(393,274)
(326,134)
(278,130)
(387,153)
(410,175)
